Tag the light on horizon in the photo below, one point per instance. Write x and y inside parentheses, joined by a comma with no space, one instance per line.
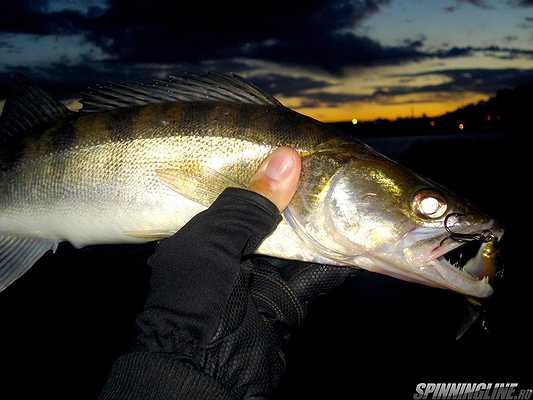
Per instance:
(354,121)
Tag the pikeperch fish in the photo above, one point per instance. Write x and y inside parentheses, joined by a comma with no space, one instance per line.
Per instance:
(140,160)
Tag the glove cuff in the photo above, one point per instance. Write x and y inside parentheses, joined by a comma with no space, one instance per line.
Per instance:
(157,376)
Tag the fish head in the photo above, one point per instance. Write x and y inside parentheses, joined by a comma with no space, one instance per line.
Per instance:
(362,209)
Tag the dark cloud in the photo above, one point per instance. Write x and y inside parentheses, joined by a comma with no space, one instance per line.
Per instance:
(311,32)
(7,46)
(415,42)
(32,16)
(527,23)
(521,3)
(305,33)
(458,3)
(494,51)
(329,99)
(454,52)
(478,3)
(332,52)
(164,31)
(506,52)
(308,90)
(288,86)
(486,81)
(485,4)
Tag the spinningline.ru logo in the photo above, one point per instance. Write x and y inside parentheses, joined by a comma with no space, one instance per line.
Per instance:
(484,391)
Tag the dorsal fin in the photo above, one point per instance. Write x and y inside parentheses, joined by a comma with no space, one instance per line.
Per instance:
(187,88)
(27,107)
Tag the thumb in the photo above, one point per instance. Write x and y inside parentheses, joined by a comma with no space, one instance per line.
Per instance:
(278,176)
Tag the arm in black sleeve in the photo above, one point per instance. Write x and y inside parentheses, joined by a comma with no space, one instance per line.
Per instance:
(200,335)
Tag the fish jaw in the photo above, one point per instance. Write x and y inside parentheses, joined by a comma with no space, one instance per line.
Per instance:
(461,281)
(431,267)
(437,273)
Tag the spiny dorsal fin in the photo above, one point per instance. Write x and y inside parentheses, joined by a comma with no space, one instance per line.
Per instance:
(187,88)
(27,107)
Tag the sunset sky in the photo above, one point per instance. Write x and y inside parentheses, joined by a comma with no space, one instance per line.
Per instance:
(333,60)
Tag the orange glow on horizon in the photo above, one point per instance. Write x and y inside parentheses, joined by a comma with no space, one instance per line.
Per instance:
(368,111)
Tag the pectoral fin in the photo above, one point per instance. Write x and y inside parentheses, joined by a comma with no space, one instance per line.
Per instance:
(18,254)
(201,184)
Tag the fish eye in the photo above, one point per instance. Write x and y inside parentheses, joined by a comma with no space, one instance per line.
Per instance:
(429,204)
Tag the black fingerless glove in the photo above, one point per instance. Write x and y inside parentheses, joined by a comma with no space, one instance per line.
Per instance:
(216,320)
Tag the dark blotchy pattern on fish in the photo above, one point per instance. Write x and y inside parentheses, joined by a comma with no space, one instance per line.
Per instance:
(275,125)
(52,157)
(42,140)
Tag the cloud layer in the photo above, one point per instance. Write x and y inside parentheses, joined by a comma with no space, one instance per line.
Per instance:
(293,49)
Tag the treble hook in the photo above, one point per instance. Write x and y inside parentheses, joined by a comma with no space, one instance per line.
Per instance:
(483,236)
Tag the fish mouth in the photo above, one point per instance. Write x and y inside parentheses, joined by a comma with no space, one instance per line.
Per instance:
(460,255)
(463,265)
